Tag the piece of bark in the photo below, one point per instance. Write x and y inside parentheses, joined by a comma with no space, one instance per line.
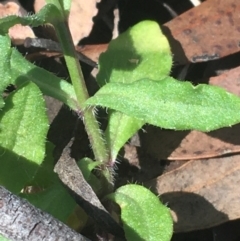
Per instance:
(72,177)
(21,221)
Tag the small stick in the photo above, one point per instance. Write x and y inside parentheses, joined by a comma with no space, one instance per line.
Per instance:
(53,46)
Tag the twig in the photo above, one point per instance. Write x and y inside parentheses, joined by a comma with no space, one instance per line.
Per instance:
(55,47)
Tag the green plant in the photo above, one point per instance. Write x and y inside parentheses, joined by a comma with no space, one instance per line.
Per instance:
(137,89)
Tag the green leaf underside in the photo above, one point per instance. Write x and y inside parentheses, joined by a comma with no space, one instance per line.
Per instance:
(171,104)
(14,69)
(23,129)
(142,52)
(144,216)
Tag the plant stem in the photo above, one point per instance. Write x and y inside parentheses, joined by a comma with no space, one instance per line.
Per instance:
(95,135)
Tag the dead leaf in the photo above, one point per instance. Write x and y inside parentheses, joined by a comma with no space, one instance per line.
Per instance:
(207,32)
(80,19)
(229,80)
(201,193)
(92,51)
(17,33)
(187,145)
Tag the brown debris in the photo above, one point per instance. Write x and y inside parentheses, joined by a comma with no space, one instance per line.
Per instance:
(207,32)
(202,193)
(186,145)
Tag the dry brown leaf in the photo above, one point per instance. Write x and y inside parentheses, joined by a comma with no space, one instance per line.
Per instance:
(206,32)
(186,145)
(229,80)
(92,51)
(80,19)
(201,193)
(17,33)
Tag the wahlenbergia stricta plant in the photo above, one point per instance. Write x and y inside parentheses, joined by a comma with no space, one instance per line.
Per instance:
(134,85)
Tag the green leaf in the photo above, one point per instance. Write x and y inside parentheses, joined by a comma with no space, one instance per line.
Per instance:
(3,238)
(23,129)
(52,196)
(63,7)
(86,166)
(14,69)
(5,66)
(144,217)
(45,176)
(171,104)
(120,128)
(54,200)
(48,83)
(142,52)
(47,14)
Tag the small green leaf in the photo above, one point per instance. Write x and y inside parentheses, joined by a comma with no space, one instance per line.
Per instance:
(66,5)
(55,200)
(23,129)
(46,15)
(144,217)
(52,195)
(48,83)
(86,166)
(14,69)
(171,104)
(120,128)
(142,52)
(3,238)
(63,7)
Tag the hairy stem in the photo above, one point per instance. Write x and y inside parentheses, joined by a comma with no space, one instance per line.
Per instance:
(95,135)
